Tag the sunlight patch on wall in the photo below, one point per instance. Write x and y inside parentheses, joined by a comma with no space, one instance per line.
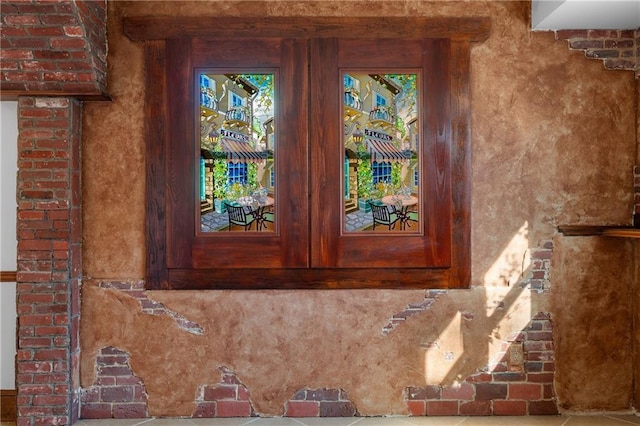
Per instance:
(444,352)
(509,310)
(514,260)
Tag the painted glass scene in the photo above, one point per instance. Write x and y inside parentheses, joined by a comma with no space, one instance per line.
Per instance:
(381,171)
(237,144)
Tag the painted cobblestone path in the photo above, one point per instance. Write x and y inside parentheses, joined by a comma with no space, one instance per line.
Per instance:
(213,221)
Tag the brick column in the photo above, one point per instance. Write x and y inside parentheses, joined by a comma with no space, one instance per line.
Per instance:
(49,222)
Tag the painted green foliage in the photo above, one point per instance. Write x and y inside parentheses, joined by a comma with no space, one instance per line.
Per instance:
(365,179)
(219,179)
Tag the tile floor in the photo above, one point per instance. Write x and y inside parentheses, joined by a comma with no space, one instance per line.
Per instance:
(600,420)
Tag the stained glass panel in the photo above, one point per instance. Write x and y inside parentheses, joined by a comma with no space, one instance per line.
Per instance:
(237,147)
(381,144)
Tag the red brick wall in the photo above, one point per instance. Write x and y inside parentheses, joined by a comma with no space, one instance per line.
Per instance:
(229,398)
(321,402)
(117,392)
(49,233)
(54,47)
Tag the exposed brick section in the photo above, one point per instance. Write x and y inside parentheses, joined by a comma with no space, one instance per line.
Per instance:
(136,290)
(117,392)
(412,309)
(538,279)
(229,398)
(49,228)
(93,15)
(501,388)
(54,47)
(321,402)
(618,49)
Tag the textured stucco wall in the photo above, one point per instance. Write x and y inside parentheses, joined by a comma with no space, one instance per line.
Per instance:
(592,354)
(553,140)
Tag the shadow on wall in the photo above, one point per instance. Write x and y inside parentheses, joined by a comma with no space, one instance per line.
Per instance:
(519,372)
(516,380)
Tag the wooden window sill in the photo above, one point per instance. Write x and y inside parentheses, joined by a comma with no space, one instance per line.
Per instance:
(605,231)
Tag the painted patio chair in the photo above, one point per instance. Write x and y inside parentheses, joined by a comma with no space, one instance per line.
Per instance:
(412,216)
(382,216)
(262,217)
(269,216)
(238,216)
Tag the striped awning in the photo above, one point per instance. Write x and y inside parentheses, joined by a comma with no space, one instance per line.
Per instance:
(238,151)
(383,151)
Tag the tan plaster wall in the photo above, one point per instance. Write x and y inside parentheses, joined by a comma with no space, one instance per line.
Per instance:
(595,355)
(553,143)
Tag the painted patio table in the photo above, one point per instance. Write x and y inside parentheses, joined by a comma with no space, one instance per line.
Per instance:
(257,207)
(400,204)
